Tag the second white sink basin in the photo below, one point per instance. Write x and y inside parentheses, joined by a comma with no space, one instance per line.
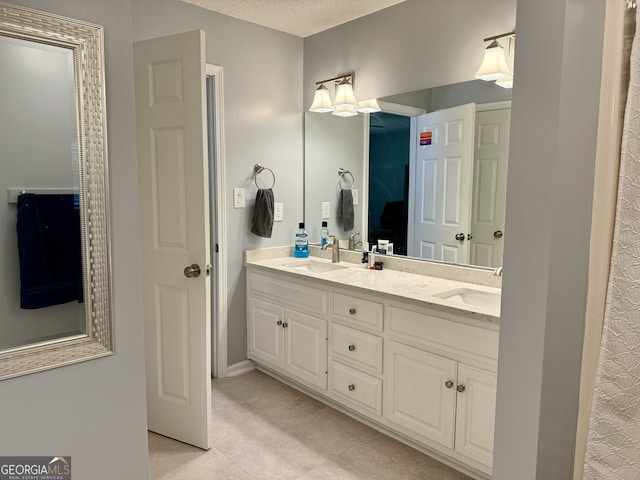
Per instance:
(469,296)
(315,267)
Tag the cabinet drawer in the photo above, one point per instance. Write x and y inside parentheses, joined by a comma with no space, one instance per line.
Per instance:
(363,349)
(356,388)
(357,311)
(302,297)
(423,327)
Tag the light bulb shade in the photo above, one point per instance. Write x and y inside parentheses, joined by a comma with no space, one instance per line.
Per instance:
(344,96)
(494,65)
(344,111)
(368,106)
(505,82)
(321,101)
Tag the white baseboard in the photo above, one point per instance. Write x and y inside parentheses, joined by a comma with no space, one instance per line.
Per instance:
(240,368)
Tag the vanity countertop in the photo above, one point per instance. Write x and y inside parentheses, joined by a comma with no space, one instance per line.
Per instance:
(417,288)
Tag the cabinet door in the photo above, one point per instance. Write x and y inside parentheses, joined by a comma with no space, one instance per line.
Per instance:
(476,413)
(420,393)
(306,347)
(265,335)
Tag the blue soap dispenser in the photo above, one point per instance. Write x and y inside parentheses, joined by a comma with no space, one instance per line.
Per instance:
(301,248)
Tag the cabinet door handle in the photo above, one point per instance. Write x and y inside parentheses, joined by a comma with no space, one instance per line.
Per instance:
(285,325)
(352,311)
(279,322)
(461,388)
(352,348)
(351,387)
(448,384)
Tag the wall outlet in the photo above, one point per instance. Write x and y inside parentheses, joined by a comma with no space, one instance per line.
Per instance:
(238,198)
(278,212)
(326,210)
(355,196)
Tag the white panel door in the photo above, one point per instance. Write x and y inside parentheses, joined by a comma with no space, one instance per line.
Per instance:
(421,394)
(173,183)
(265,335)
(306,347)
(476,413)
(441,185)
(490,186)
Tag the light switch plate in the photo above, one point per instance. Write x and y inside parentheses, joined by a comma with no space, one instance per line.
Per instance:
(238,198)
(355,196)
(278,212)
(326,210)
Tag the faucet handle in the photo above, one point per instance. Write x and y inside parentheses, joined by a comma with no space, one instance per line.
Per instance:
(353,236)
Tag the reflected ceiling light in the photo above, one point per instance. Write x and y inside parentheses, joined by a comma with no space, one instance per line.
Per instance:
(368,106)
(345,103)
(505,82)
(494,65)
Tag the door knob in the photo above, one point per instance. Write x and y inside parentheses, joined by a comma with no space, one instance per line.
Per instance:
(192,271)
(497,234)
(460,237)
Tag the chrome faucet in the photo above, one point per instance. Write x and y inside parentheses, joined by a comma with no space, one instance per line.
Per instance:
(335,249)
(352,241)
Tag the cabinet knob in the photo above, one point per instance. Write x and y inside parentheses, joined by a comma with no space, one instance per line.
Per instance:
(352,311)
(285,325)
(352,348)
(461,388)
(279,322)
(448,384)
(351,387)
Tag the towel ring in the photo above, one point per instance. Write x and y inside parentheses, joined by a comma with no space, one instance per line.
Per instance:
(257,169)
(342,172)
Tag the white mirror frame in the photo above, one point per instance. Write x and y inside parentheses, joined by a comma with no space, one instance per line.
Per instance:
(87,44)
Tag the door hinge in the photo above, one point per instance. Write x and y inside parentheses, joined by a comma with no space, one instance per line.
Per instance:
(217,249)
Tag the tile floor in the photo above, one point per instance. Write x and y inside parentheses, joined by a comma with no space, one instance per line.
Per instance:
(262,430)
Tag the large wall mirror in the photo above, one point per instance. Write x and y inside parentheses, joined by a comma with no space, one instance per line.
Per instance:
(54,220)
(429,171)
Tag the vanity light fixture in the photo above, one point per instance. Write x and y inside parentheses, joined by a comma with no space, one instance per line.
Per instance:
(494,65)
(345,103)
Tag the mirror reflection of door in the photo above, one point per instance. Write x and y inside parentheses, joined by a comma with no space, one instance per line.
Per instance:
(38,151)
(440,220)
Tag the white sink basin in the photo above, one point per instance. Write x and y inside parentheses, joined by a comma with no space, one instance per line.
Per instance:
(315,267)
(473,297)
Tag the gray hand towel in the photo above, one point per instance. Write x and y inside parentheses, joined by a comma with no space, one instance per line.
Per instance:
(263,213)
(345,209)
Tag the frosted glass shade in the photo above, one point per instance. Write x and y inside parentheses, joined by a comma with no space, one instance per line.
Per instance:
(505,82)
(321,101)
(494,65)
(368,106)
(344,111)
(344,96)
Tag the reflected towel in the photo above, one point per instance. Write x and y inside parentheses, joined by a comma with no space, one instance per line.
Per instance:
(345,209)
(262,224)
(49,250)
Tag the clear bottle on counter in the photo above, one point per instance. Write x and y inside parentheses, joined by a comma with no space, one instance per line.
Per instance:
(301,246)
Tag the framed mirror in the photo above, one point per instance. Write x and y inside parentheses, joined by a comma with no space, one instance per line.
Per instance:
(385,153)
(54,224)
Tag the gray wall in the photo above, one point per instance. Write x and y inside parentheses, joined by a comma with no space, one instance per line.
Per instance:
(95,411)
(549,188)
(36,138)
(263,123)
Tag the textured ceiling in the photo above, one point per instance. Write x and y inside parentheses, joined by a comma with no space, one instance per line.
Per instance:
(298,17)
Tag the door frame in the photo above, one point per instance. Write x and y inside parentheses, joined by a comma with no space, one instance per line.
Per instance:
(219,367)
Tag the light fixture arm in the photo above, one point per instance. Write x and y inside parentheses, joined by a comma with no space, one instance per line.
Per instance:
(502,35)
(348,76)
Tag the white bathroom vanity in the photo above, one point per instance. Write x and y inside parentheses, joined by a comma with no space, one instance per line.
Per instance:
(409,353)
